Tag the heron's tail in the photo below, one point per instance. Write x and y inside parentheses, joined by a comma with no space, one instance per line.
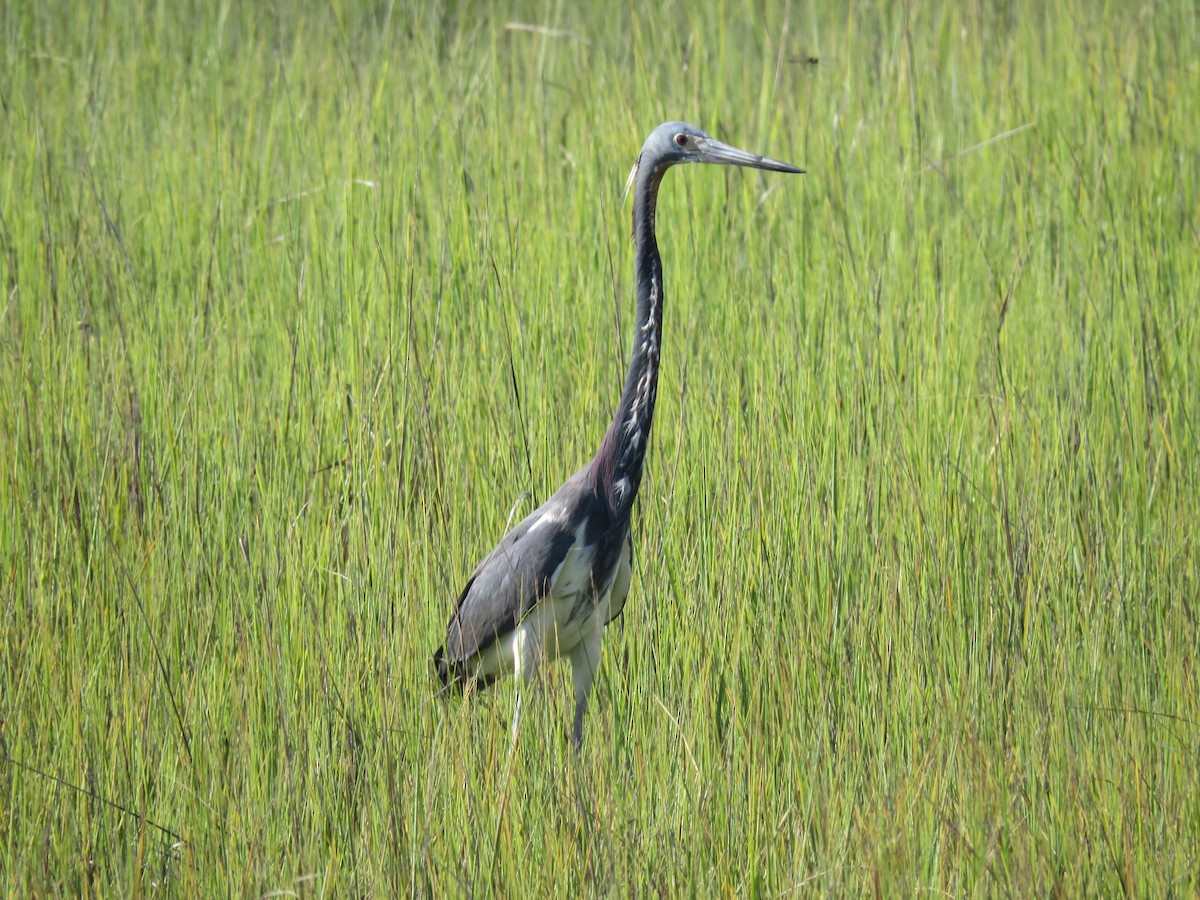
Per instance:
(451,676)
(455,675)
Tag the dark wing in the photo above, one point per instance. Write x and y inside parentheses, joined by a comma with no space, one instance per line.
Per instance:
(514,577)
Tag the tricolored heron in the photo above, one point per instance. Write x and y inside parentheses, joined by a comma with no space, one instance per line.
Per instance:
(554,581)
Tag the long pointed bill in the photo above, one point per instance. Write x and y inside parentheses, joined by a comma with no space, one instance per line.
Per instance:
(713,151)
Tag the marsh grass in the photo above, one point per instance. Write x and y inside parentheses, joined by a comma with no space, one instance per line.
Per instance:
(297,303)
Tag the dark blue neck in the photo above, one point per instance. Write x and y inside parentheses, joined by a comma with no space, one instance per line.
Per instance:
(617,468)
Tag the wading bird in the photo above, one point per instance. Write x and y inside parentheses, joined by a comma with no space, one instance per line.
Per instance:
(554,581)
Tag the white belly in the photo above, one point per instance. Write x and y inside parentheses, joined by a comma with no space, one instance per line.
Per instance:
(552,629)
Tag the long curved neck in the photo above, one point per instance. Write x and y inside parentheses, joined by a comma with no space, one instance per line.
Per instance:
(617,468)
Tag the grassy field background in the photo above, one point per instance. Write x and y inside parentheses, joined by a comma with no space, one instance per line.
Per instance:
(298,300)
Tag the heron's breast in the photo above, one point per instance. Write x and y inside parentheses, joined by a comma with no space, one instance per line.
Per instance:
(578,603)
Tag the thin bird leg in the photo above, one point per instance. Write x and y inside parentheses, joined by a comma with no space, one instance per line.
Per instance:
(516,715)
(585,661)
(527,658)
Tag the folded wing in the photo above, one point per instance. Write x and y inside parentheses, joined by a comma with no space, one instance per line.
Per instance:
(514,577)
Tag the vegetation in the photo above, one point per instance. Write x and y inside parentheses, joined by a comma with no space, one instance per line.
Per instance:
(297,302)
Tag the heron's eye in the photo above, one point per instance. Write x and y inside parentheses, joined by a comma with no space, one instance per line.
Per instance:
(681,140)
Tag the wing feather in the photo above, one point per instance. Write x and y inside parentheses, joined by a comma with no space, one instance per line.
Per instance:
(507,584)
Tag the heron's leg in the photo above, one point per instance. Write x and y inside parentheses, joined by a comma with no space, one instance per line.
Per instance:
(585,661)
(516,723)
(527,658)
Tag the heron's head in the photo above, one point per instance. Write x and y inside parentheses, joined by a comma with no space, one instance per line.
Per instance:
(672,143)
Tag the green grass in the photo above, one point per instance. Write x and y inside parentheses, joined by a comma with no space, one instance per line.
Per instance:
(297,302)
